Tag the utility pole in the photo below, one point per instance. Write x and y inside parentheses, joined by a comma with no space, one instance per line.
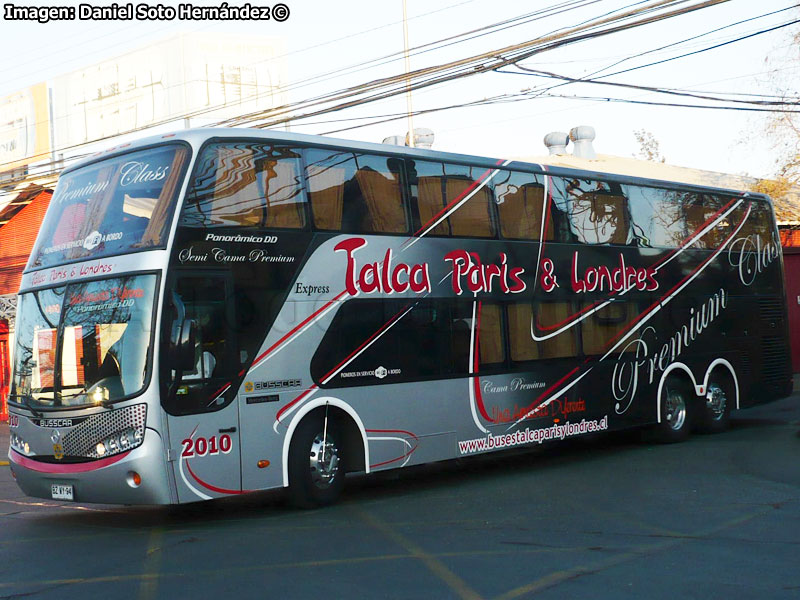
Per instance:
(408,80)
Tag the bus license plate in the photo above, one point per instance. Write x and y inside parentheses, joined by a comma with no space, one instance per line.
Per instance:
(61,491)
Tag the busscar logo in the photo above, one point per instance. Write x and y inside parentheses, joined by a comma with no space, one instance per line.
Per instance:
(257,386)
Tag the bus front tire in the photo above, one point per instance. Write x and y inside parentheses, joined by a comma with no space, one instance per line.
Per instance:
(714,409)
(675,412)
(316,463)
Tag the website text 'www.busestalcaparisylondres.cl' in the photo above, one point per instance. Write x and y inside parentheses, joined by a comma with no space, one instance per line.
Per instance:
(528,436)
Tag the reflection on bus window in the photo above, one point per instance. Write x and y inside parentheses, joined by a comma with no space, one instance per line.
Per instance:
(656,216)
(103,340)
(111,207)
(436,186)
(356,193)
(597,211)
(520,206)
(246,185)
(430,339)
(757,223)
(703,222)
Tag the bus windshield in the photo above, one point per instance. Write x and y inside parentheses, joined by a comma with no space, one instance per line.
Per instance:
(113,206)
(84,344)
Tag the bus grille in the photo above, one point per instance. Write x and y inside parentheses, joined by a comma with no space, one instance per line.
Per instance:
(83,439)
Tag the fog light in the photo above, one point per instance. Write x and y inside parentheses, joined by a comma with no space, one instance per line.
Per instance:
(134,479)
(100,449)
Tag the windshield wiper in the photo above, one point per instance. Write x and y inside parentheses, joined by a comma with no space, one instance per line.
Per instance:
(26,398)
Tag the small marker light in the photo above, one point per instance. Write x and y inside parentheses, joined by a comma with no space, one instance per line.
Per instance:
(262,464)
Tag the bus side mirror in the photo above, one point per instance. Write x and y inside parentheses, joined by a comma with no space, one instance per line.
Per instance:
(186,345)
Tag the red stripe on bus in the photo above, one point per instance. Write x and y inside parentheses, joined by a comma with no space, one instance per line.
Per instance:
(650,308)
(339,366)
(541,327)
(403,431)
(295,401)
(655,265)
(213,488)
(298,327)
(388,462)
(535,404)
(41,467)
(383,328)
(457,199)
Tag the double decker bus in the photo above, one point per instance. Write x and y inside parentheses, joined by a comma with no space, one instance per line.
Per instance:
(221,311)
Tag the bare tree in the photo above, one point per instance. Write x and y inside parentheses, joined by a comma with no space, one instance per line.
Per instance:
(648,146)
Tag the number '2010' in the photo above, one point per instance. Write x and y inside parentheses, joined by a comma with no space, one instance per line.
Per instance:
(206,446)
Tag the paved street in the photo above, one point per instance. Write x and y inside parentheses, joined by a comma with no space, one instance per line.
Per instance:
(715,517)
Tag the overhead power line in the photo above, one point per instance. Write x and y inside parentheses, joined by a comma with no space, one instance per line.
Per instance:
(565,6)
(488,61)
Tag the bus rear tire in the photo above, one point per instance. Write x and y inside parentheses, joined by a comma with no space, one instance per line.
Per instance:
(675,412)
(316,463)
(714,409)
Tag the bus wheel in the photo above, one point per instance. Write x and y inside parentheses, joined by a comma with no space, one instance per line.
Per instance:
(316,465)
(675,422)
(715,408)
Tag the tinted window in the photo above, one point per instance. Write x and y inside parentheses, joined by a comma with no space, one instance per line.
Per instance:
(436,186)
(246,185)
(520,199)
(758,222)
(356,193)
(601,330)
(597,210)
(544,317)
(102,331)
(491,348)
(656,216)
(411,341)
(113,206)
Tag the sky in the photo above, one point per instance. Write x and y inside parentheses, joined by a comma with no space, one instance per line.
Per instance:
(323,37)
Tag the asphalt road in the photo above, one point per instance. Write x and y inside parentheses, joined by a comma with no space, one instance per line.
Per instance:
(714,517)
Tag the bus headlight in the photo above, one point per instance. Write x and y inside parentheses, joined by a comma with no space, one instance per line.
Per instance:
(122,441)
(18,444)
(99,395)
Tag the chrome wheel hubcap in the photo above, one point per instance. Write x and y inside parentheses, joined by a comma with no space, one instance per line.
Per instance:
(323,461)
(716,401)
(675,410)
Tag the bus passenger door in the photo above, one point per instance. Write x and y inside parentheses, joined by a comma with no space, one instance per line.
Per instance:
(203,416)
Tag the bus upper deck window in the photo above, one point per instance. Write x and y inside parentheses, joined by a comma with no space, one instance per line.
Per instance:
(357,193)
(246,185)
(438,186)
(597,211)
(520,206)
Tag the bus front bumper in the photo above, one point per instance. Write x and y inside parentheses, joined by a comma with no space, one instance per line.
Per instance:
(107,481)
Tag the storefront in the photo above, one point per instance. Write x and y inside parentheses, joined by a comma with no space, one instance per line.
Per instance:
(19,224)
